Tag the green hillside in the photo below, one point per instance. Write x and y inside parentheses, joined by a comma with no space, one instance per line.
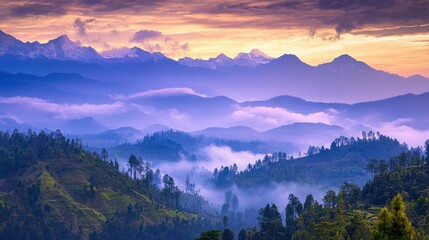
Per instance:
(394,205)
(50,187)
(344,161)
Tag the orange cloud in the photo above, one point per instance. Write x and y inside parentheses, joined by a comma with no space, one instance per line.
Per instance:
(389,35)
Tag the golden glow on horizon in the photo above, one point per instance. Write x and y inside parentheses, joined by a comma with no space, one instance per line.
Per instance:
(404,55)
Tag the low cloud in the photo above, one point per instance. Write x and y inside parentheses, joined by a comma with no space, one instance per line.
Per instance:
(11,116)
(277,193)
(66,110)
(176,115)
(276,116)
(211,157)
(401,130)
(165,92)
(224,156)
(200,173)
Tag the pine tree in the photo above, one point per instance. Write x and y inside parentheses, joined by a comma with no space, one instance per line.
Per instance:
(358,228)
(271,223)
(340,217)
(104,154)
(382,227)
(401,226)
(242,234)
(393,224)
(227,234)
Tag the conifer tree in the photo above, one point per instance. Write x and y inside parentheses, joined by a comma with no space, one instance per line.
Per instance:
(393,224)
(401,226)
(340,217)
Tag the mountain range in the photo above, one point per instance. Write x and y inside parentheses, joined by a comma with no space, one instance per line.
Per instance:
(84,92)
(251,59)
(280,119)
(251,75)
(61,48)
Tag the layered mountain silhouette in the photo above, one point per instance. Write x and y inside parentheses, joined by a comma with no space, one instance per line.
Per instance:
(61,48)
(251,75)
(251,59)
(61,84)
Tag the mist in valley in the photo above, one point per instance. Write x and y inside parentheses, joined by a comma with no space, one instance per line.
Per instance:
(200,173)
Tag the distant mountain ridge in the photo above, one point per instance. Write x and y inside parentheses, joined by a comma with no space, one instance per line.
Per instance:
(251,75)
(83,125)
(296,133)
(133,53)
(61,48)
(344,63)
(254,58)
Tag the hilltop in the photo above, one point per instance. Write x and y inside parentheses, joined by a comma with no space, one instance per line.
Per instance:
(51,188)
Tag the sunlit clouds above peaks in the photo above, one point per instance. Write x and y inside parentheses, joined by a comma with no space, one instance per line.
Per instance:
(316,31)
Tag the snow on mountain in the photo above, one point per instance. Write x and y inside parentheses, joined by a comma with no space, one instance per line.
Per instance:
(221,61)
(61,48)
(254,58)
(251,59)
(190,62)
(133,53)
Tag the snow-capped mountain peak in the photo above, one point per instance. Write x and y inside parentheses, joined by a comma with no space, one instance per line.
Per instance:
(133,53)
(65,49)
(60,48)
(63,39)
(253,58)
(221,58)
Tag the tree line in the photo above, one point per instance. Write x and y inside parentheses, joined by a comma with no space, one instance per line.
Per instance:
(394,204)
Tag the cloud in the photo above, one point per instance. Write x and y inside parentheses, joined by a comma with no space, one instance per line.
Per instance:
(175,46)
(155,41)
(26,8)
(224,156)
(114,6)
(37,9)
(279,116)
(11,116)
(395,31)
(341,16)
(200,172)
(176,115)
(81,26)
(165,92)
(144,35)
(66,110)
(400,130)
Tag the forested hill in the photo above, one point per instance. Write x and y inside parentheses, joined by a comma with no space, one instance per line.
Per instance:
(394,205)
(173,145)
(344,161)
(50,188)
(407,174)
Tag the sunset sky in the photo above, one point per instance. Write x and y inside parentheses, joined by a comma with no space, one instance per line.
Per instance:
(391,35)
